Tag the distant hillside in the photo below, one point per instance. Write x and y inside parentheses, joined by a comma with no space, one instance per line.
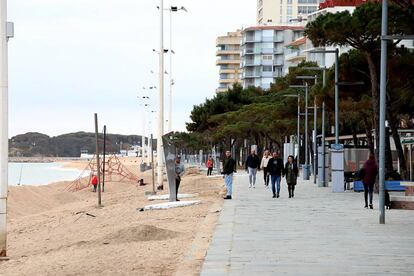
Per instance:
(34,144)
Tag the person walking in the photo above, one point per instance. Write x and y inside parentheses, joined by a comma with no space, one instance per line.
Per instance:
(252,164)
(94,182)
(369,176)
(275,168)
(179,172)
(209,165)
(229,167)
(291,173)
(263,166)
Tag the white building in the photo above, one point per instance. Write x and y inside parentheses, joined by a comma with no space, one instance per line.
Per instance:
(263,53)
(282,12)
(325,60)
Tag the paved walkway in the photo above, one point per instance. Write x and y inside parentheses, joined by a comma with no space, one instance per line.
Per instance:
(315,233)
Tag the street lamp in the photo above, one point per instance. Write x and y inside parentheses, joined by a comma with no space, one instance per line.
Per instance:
(336,52)
(315,125)
(298,124)
(322,180)
(171,10)
(306,167)
(160,163)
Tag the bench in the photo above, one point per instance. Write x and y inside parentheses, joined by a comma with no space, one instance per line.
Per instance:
(389,186)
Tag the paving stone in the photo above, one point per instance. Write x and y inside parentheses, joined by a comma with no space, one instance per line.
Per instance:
(315,233)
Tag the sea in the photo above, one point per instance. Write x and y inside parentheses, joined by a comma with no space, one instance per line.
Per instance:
(37,174)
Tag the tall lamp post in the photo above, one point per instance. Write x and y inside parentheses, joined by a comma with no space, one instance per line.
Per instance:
(336,52)
(315,120)
(160,154)
(322,178)
(298,124)
(171,10)
(306,166)
(6,32)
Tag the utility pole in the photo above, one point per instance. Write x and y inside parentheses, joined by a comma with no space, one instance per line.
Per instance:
(97,161)
(160,154)
(336,96)
(306,169)
(6,32)
(383,104)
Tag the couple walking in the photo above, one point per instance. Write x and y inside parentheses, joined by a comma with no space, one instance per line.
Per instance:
(274,169)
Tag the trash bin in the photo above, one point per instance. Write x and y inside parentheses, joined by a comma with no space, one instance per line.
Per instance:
(143,167)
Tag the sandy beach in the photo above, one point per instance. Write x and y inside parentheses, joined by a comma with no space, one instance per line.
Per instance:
(55,232)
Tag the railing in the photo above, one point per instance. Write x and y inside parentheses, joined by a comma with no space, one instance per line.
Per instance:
(294,54)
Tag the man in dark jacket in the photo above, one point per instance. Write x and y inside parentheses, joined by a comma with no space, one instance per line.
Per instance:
(369,177)
(252,164)
(275,168)
(229,167)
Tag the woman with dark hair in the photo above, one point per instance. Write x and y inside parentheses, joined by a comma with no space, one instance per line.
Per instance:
(291,173)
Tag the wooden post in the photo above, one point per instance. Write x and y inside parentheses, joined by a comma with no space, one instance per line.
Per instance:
(103,162)
(152,166)
(97,161)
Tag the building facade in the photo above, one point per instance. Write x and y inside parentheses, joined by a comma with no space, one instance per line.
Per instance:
(283,12)
(263,53)
(228,54)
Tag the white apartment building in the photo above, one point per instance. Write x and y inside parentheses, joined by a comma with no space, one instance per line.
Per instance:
(325,60)
(263,53)
(228,54)
(284,12)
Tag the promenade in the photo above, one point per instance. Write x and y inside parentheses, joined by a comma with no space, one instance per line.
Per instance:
(315,233)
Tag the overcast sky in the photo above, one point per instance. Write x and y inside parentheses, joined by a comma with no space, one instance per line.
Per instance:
(72,58)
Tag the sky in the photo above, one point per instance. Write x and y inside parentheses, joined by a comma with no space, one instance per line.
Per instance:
(70,59)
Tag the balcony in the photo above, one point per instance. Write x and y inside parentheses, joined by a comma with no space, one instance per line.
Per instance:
(227,61)
(279,39)
(295,56)
(278,63)
(251,75)
(229,80)
(252,63)
(227,52)
(230,71)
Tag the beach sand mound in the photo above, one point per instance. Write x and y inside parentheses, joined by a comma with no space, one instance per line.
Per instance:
(141,233)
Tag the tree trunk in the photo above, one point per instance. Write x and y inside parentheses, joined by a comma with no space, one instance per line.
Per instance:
(388,154)
(374,98)
(392,122)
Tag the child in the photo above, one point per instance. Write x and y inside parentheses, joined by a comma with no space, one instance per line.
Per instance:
(94,182)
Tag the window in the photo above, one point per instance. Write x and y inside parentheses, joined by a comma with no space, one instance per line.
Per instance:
(289,2)
(268,68)
(289,10)
(267,57)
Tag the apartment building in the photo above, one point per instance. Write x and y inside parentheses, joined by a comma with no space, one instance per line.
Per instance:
(329,6)
(285,12)
(263,53)
(294,54)
(228,53)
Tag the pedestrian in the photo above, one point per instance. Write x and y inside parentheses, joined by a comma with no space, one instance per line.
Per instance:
(291,173)
(252,164)
(263,166)
(369,176)
(275,168)
(94,182)
(209,165)
(229,167)
(179,172)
